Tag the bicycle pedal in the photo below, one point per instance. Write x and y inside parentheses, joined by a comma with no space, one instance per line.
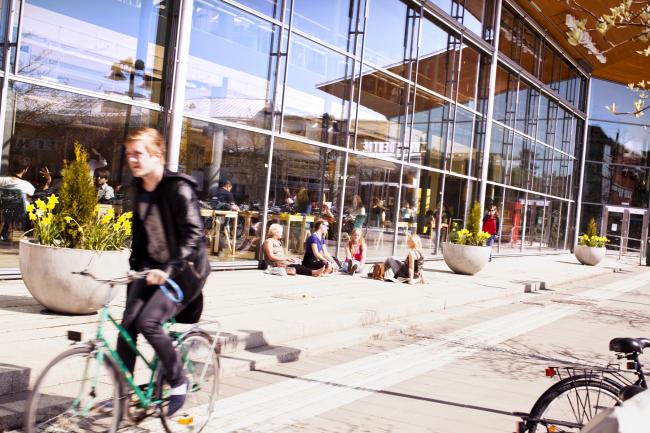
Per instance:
(185,420)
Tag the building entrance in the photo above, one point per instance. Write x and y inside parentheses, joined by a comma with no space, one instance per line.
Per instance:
(626,229)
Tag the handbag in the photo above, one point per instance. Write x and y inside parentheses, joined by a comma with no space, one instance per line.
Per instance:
(378,271)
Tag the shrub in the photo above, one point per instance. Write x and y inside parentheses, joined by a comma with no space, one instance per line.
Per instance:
(76,223)
(472,235)
(591,238)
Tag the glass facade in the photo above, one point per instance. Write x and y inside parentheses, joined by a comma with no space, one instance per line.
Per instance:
(369,114)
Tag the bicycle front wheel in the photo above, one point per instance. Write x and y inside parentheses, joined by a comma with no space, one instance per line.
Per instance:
(570,404)
(78,391)
(201,365)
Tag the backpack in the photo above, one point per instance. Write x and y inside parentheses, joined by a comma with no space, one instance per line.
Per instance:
(378,271)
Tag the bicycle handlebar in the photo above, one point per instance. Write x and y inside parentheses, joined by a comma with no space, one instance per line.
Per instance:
(131,276)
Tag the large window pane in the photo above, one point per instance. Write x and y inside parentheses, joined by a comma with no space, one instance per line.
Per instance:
(391,35)
(455,199)
(332,21)
(438,62)
(214,154)
(432,120)
(500,153)
(462,146)
(231,68)
(512,217)
(272,8)
(374,183)
(311,176)
(317,96)
(46,123)
(534,221)
(468,78)
(429,217)
(616,185)
(117,48)
(505,96)
(407,221)
(381,114)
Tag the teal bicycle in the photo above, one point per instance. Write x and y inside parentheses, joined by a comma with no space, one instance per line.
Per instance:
(87,388)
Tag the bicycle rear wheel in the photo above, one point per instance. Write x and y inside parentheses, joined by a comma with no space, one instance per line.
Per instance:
(78,391)
(570,404)
(201,365)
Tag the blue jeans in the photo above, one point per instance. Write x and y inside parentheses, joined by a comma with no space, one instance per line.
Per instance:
(491,240)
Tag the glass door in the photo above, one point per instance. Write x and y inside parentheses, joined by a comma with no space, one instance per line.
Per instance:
(626,229)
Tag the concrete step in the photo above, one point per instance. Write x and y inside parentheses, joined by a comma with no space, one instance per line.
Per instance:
(13,379)
(12,407)
(262,357)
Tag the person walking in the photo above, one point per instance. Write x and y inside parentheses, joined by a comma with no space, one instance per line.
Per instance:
(168,242)
(491,224)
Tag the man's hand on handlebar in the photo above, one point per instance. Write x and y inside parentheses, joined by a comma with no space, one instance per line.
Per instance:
(156,277)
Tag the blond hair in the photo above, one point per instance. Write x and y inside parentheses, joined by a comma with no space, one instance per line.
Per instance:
(417,242)
(362,241)
(273,230)
(153,141)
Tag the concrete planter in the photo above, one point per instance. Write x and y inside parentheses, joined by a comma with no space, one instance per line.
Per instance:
(465,259)
(47,273)
(589,255)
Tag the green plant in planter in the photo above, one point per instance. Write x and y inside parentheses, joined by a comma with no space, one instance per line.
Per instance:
(591,238)
(76,223)
(472,234)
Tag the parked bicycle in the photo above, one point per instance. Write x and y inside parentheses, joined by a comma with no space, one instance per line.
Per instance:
(584,391)
(88,387)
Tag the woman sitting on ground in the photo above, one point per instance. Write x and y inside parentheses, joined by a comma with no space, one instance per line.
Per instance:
(355,253)
(316,254)
(274,255)
(410,270)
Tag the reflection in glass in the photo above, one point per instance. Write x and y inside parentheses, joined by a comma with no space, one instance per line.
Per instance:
(306,184)
(381,114)
(215,155)
(333,21)
(512,219)
(505,97)
(272,8)
(407,216)
(468,78)
(391,35)
(431,221)
(47,122)
(316,102)
(522,161)
(605,93)
(500,153)
(535,209)
(527,109)
(372,184)
(462,146)
(616,185)
(432,120)
(438,62)
(618,143)
(231,68)
(119,48)
(456,195)
(543,160)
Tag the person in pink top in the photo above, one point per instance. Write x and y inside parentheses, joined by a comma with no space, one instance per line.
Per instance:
(355,254)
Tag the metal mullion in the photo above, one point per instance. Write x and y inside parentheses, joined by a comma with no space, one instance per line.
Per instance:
(443,18)
(4,87)
(512,66)
(227,123)
(583,156)
(269,163)
(255,12)
(361,55)
(414,77)
(78,91)
(21,12)
(385,71)
(324,44)
(286,65)
(554,197)
(526,18)
(523,223)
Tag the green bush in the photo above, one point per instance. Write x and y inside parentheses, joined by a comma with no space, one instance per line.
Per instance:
(78,195)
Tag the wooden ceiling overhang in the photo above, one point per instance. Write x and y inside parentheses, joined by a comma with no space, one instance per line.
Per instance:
(624,64)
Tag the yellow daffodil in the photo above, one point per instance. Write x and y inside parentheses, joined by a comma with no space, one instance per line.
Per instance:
(32,217)
(96,209)
(67,219)
(116,226)
(40,204)
(30,208)
(47,219)
(107,218)
(39,212)
(52,201)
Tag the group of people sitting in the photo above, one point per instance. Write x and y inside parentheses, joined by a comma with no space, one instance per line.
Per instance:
(318,262)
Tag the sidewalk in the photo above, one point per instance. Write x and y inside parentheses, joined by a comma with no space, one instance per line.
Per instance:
(269,319)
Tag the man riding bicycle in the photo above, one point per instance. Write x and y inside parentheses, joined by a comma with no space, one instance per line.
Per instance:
(169,242)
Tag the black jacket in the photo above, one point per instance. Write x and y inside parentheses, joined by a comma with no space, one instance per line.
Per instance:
(180,214)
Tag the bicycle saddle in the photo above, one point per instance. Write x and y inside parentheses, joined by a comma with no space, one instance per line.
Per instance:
(628,345)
